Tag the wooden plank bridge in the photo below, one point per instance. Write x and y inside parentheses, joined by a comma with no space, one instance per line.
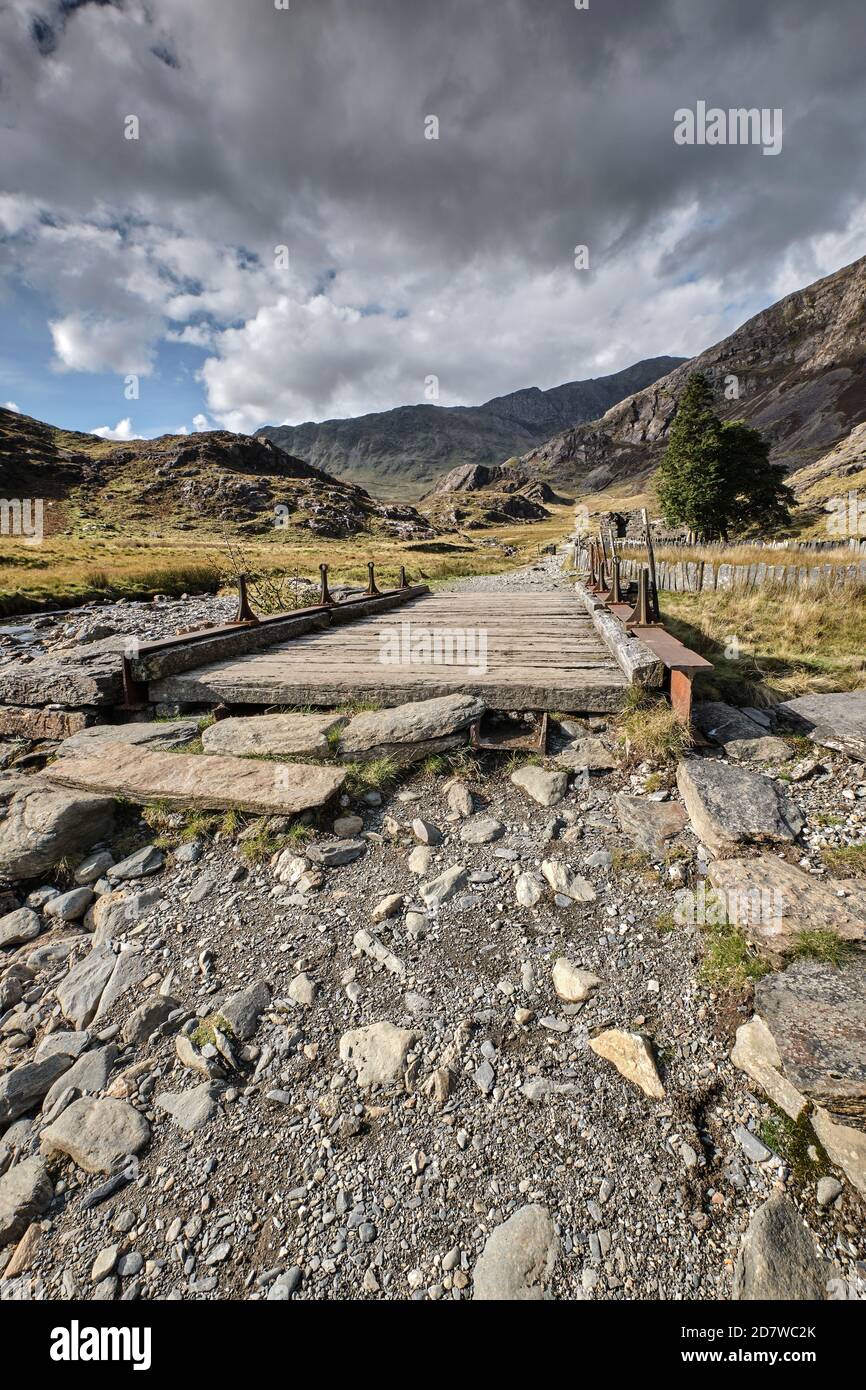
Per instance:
(516,650)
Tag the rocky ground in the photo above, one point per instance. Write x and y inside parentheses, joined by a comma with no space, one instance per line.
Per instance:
(44,633)
(464,1053)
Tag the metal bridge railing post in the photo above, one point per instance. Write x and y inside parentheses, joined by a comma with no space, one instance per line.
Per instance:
(325,598)
(245,613)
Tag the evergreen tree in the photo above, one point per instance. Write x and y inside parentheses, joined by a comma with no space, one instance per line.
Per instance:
(758,498)
(717,478)
(689,484)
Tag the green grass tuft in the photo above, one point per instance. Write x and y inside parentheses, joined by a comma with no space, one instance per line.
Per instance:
(817,943)
(792,1140)
(730,962)
(848,861)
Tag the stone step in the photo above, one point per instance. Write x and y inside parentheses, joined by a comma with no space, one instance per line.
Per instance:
(208,783)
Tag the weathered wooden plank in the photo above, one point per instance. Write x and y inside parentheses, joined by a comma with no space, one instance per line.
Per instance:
(543,652)
(164,659)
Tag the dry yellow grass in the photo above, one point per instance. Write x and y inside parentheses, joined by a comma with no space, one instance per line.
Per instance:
(770,644)
(63,571)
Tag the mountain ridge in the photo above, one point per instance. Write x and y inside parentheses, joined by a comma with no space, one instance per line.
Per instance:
(408,449)
(800,366)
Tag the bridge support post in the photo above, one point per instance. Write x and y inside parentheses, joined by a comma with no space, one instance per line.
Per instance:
(371,590)
(245,613)
(681,694)
(325,598)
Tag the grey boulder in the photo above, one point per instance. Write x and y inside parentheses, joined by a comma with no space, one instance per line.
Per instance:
(518,1258)
(40,824)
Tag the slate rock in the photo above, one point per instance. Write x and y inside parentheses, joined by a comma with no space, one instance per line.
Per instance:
(571,983)
(71,906)
(243,1009)
(649,824)
(94,867)
(377,1052)
(141,864)
(279,735)
(193,1109)
(331,854)
(405,732)
(567,883)
(79,994)
(774,901)
(438,890)
(777,1260)
(835,721)
(481,830)
(97,1134)
(730,806)
(153,1013)
(632,1056)
(159,733)
(816,1014)
(24,1087)
(590,754)
(212,783)
(518,1258)
(767,749)
(19,926)
(25,1193)
(89,1075)
(41,824)
(528,889)
(116,913)
(547,788)
(723,723)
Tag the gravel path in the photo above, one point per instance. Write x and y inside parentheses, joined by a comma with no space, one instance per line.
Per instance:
(300,1184)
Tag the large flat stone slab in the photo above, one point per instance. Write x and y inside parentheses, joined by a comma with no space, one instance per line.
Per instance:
(774,901)
(729,806)
(156,733)
(280,735)
(722,723)
(40,824)
(213,783)
(816,1014)
(833,721)
(408,731)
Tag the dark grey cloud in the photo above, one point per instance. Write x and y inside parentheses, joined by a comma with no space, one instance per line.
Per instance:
(261,127)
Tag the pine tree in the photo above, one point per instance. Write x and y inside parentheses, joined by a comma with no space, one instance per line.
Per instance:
(717,478)
(759,499)
(689,484)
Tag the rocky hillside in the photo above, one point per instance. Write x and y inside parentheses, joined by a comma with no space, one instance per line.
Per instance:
(404,452)
(186,482)
(801,369)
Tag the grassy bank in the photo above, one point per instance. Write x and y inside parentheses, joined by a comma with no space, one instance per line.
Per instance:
(770,644)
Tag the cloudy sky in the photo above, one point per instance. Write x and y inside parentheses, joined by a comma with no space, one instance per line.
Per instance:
(306,128)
